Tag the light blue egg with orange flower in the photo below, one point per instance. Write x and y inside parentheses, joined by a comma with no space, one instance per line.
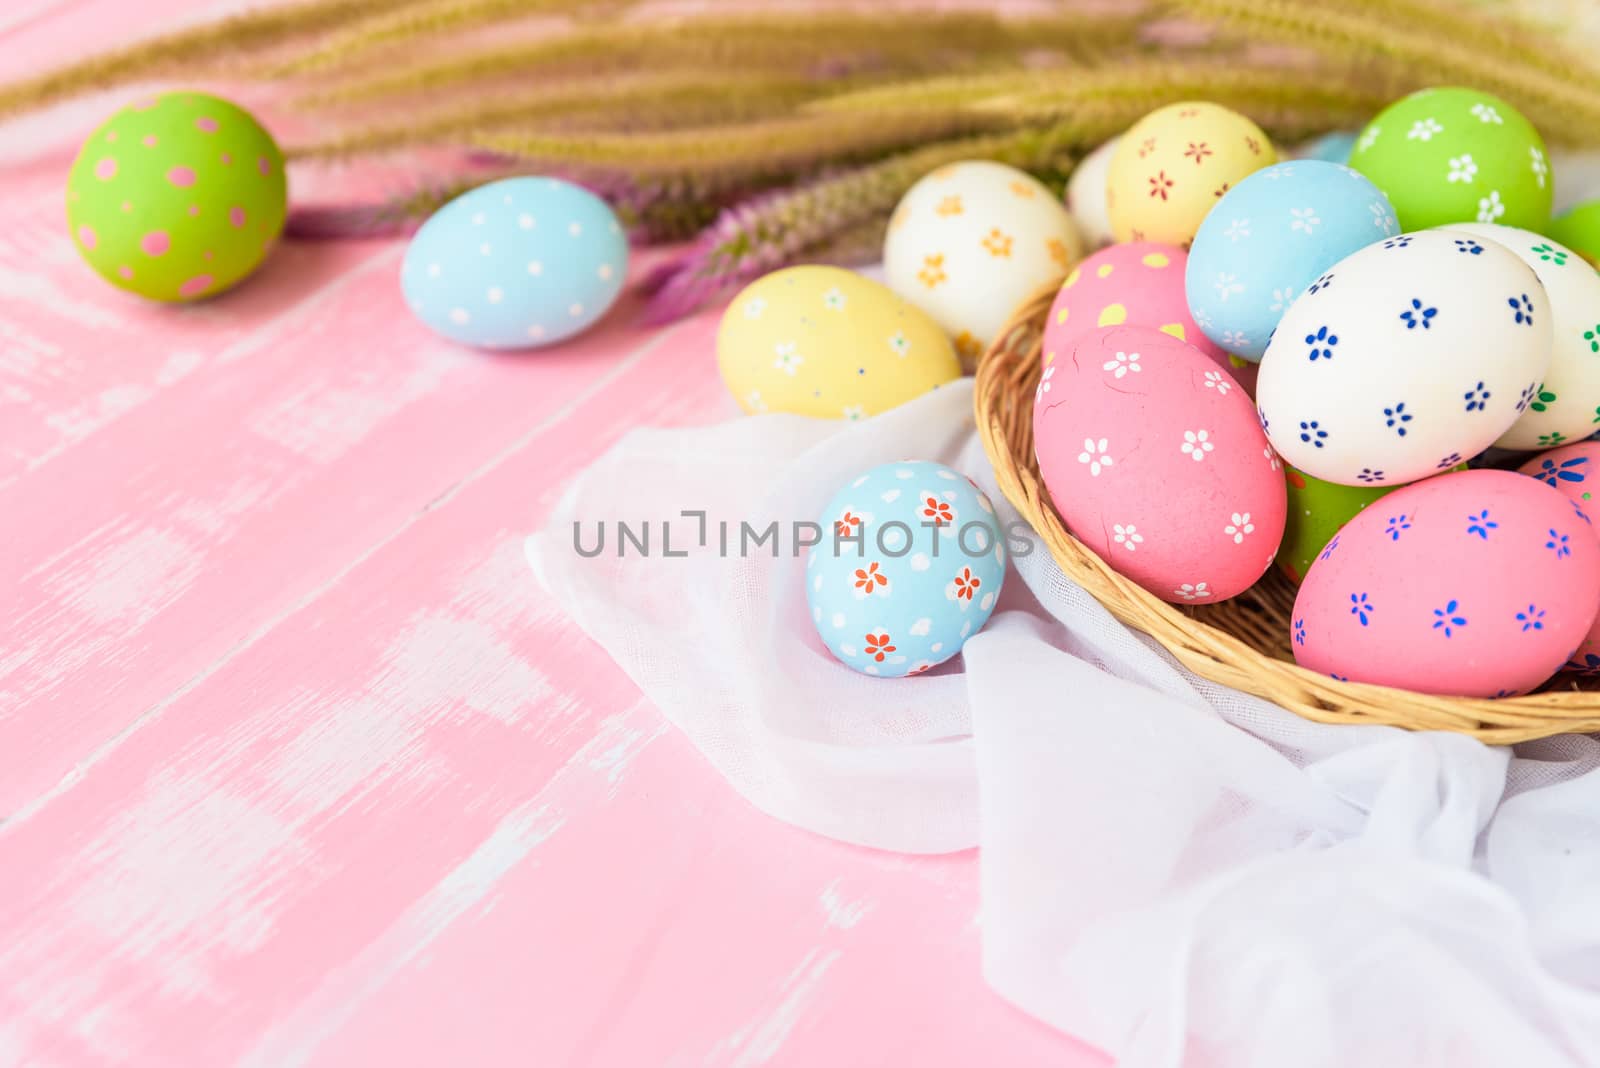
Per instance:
(910,565)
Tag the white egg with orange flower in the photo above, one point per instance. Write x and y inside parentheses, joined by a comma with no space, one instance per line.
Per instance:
(973,240)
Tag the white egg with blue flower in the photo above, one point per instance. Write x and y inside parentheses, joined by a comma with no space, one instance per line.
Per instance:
(1404,359)
(1567,406)
(910,565)
(516,264)
(1269,238)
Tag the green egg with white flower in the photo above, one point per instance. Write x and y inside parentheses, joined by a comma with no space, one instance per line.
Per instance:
(1455,155)
(1579,229)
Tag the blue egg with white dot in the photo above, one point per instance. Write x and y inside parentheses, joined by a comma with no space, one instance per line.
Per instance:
(1269,239)
(1331,147)
(909,567)
(516,264)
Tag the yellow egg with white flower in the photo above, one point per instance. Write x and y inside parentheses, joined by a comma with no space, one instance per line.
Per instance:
(826,342)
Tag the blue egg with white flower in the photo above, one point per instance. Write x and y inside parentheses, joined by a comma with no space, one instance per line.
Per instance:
(1271,238)
(909,567)
(516,264)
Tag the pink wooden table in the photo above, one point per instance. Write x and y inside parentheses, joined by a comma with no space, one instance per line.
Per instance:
(296,763)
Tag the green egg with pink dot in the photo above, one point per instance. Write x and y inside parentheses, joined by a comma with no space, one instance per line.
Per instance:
(1454,155)
(177,197)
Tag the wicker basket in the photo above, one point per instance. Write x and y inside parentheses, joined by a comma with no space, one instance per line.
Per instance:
(1244,642)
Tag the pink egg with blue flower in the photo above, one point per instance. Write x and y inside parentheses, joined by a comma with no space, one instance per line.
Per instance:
(1575,471)
(909,567)
(1474,583)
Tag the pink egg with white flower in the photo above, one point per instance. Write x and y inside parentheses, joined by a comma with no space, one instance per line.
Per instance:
(1476,583)
(1154,459)
(1574,470)
(1135,284)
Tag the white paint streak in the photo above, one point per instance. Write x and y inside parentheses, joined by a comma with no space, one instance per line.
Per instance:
(99,753)
(182,872)
(619,744)
(348,990)
(295,316)
(84,418)
(354,747)
(25,284)
(13,1048)
(350,748)
(761,1040)
(119,576)
(187,876)
(216,515)
(131,580)
(323,421)
(178,366)
(24,13)
(49,665)
(499,580)
(24,352)
(345,991)
(438,661)
(841,913)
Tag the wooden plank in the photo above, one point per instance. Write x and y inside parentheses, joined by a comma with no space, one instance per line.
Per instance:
(169,497)
(297,765)
(447,798)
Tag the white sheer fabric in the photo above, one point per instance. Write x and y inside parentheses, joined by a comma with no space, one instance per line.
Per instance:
(1174,871)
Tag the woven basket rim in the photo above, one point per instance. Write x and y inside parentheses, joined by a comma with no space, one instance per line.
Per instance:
(1007,374)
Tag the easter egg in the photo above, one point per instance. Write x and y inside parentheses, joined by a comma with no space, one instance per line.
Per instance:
(1477,583)
(1404,359)
(178,197)
(1245,372)
(826,342)
(1317,510)
(1161,471)
(1086,194)
(1139,283)
(1330,148)
(1567,404)
(1574,470)
(1270,237)
(1578,228)
(971,241)
(1457,155)
(515,264)
(909,567)
(1173,165)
